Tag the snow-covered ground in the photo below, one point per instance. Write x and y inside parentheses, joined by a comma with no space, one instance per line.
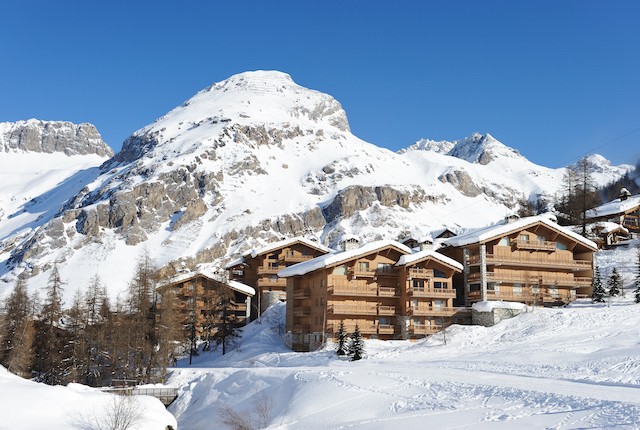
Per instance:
(566,368)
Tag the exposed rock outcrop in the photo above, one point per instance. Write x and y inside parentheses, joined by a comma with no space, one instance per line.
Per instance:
(52,136)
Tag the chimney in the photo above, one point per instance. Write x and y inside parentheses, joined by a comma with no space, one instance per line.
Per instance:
(624,193)
(350,242)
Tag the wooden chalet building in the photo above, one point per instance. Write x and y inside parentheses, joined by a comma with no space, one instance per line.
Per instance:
(625,210)
(259,268)
(197,293)
(531,260)
(382,287)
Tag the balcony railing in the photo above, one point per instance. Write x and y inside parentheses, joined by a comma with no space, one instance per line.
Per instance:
(352,310)
(272,282)
(417,272)
(432,292)
(531,261)
(364,328)
(262,270)
(535,280)
(537,245)
(386,329)
(346,290)
(288,258)
(436,312)
(386,310)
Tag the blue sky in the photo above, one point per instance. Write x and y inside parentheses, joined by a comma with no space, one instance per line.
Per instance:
(553,79)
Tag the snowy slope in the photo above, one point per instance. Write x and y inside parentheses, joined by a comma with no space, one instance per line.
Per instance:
(27,405)
(251,160)
(564,368)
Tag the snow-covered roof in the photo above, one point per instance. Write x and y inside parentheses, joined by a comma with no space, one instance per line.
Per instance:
(609,227)
(328,260)
(615,207)
(489,306)
(487,233)
(421,255)
(234,263)
(284,243)
(205,272)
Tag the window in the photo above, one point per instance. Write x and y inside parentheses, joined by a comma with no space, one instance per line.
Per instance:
(340,270)
(363,266)
(439,304)
(383,321)
(418,285)
(524,238)
(418,321)
(415,303)
(504,241)
(438,274)
(541,238)
(439,284)
(384,267)
(273,265)
(561,246)
(517,289)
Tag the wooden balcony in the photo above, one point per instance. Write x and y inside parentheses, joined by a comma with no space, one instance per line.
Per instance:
(534,245)
(386,310)
(268,282)
(269,270)
(387,292)
(545,280)
(363,273)
(295,258)
(432,292)
(352,310)
(301,293)
(434,312)
(419,273)
(386,329)
(348,290)
(531,261)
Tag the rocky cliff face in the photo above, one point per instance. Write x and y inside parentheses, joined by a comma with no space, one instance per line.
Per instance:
(52,136)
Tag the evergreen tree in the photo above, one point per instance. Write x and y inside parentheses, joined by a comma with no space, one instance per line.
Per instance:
(597,290)
(50,361)
(637,280)
(223,323)
(342,340)
(17,331)
(615,283)
(356,346)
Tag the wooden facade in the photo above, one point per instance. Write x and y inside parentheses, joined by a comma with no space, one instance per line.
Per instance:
(259,269)
(196,295)
(372,287)
(537,262)
(625,211)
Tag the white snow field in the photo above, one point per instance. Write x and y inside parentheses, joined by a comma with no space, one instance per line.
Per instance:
(564,368)
(27,405)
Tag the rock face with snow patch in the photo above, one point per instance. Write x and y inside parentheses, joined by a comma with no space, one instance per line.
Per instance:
(52,136)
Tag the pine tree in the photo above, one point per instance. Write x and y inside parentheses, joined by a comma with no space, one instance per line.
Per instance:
(356,346)
(597,290)
(342,340)
(224,323)
(17,331)
(637,280)
(50,361)
(615,283)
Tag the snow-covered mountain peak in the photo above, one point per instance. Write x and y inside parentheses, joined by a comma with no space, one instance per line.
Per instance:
(255,102)
(482,149)
(477,148)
